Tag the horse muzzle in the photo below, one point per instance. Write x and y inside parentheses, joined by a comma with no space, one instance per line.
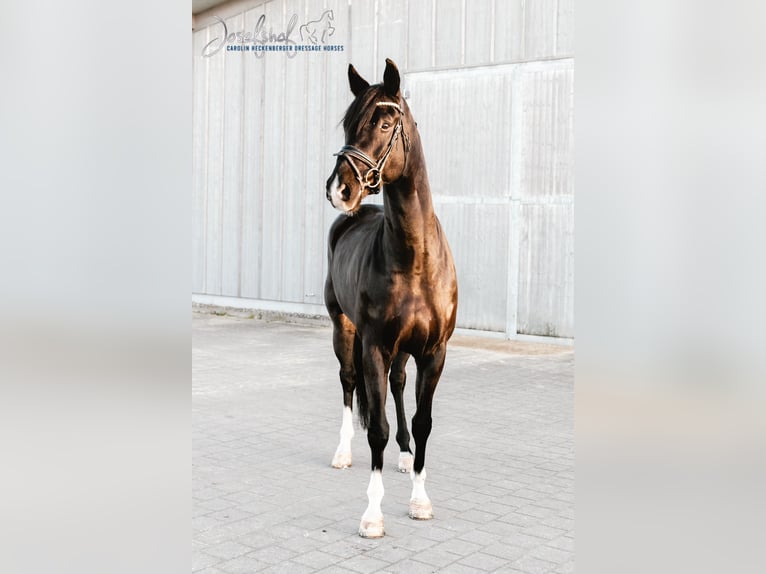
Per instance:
(342,196)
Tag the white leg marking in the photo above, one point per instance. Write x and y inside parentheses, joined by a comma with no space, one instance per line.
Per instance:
(371,525)
(405,462)
(342,458)
(420,504)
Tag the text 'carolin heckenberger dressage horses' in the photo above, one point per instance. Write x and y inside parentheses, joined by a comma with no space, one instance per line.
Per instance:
(391,289)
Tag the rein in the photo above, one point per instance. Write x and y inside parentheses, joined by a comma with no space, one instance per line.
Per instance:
(373,179)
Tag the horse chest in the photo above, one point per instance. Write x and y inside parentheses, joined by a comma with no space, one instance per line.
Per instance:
(411,314)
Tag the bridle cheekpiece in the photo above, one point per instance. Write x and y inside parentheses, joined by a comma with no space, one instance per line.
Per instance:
(373,179)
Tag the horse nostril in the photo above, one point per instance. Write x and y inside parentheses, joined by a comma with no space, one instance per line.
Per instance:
(345,192)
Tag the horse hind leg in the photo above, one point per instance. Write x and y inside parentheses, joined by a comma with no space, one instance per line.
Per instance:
(398,380)
(344,341)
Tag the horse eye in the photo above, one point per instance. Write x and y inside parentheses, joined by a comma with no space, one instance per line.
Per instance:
(385,125)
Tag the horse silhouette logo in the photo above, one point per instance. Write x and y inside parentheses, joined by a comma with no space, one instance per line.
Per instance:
(318,30)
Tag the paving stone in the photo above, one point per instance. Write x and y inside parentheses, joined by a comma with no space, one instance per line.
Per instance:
(342,549)
(272,554)
(363,564)
(532,565)
(213,504)
(412,566)
(550,554)
(560,522)
(438,534)
(227,550)
(389,553)
(457,568)
(480,516)
(519,520)
(479,537)
(537,511)
(562,543)
(566,568)
(504,551)
(302,544)
(476,497)
(208,493)
(542,531)
(203,523)
(316,559)
(457,504)
(483,561)
(289,567)
(458,546)
(243,565)
(416,543)
(229,515)
(436,556)
(200,561)
(257,539)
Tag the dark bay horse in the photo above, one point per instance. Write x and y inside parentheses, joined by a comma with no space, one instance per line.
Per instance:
(391,289)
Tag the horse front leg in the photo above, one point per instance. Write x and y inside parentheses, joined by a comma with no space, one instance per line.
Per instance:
(429,371)
(376,364)
(344,343)
(398,380)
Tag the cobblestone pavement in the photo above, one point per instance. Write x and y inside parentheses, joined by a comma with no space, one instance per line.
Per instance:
(267,409)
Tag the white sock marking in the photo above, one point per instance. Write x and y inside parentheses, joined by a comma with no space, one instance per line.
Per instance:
(343,452)
(375,497)
(346,431)
(405,462)
(419,486)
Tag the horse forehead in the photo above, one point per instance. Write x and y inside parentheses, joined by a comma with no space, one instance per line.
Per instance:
(381,107)
(376,110)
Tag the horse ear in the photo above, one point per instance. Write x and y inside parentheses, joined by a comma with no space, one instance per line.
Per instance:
(357,83)
(391,79)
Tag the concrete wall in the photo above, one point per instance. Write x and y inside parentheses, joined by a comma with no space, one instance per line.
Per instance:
(490,83)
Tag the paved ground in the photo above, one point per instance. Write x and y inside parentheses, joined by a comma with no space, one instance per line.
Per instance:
(266,414)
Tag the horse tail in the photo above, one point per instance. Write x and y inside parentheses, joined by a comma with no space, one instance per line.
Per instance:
(362,406)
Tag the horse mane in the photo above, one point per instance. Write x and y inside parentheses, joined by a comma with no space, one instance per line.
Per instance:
(361,110)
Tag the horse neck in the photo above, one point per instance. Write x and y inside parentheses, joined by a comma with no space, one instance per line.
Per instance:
(410,222)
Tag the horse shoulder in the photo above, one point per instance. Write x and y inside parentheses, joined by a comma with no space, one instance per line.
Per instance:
(343,224)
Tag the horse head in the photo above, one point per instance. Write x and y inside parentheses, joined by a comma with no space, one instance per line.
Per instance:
(376,127)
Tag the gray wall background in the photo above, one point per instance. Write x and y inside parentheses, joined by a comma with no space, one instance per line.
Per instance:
(490,83)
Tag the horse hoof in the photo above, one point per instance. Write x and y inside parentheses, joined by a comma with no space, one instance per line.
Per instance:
(341,460)
(421,510)
(372,529)
(405,462)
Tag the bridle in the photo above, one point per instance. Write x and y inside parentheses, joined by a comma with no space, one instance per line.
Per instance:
(373,179)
